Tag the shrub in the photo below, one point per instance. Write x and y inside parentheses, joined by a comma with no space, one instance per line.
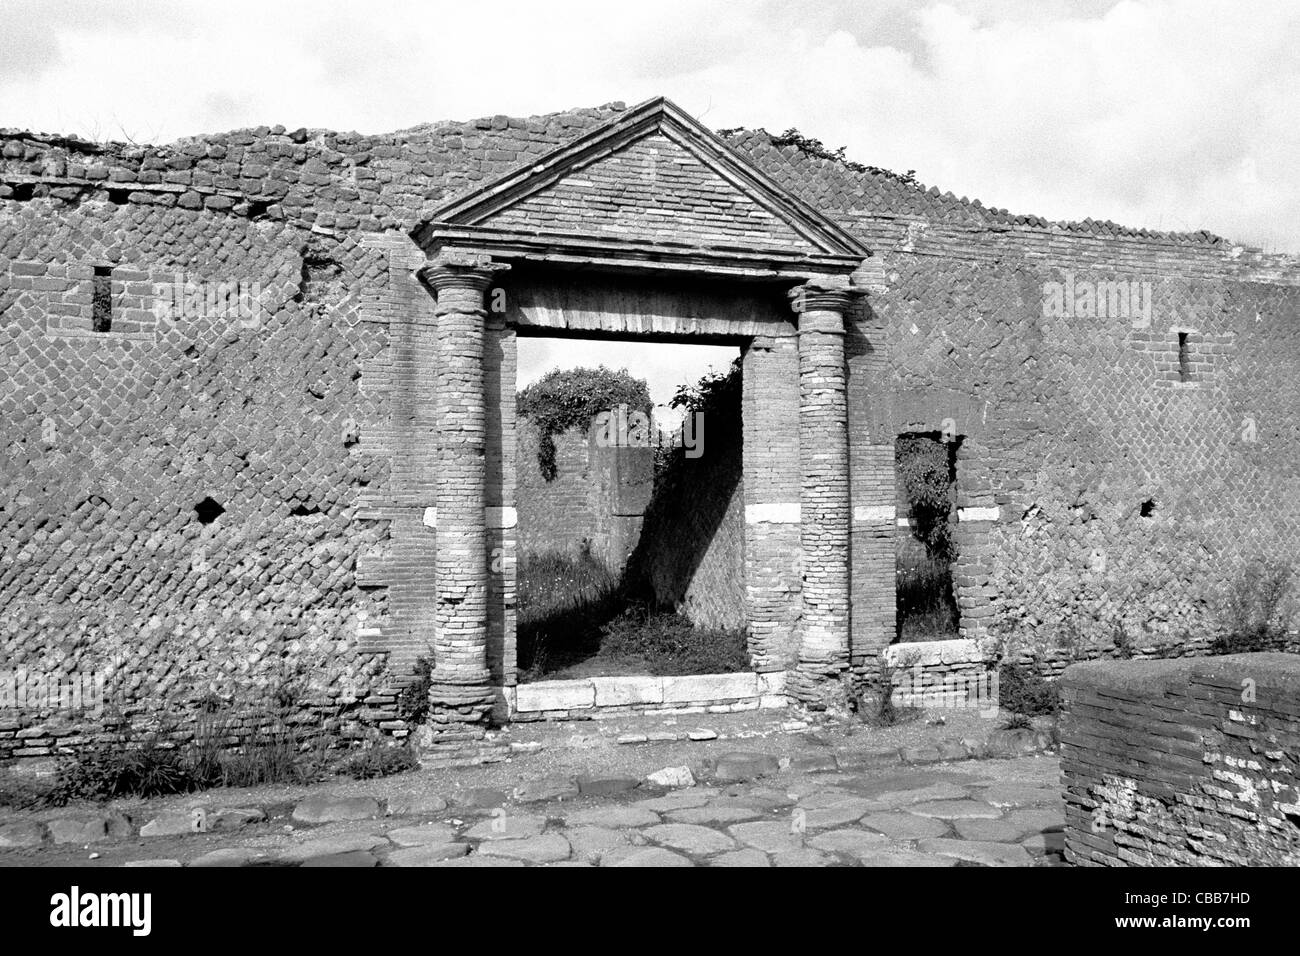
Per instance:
(1022,690)
(147,767)
(1259,611)
(671,645)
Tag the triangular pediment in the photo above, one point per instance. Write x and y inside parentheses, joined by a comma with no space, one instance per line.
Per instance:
(651,177)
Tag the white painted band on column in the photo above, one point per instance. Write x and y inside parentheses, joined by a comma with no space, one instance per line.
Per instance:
(495,517)
(775,513)
(978,514)
(873,512)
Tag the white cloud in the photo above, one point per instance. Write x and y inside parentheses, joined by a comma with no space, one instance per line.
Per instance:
(1174,114)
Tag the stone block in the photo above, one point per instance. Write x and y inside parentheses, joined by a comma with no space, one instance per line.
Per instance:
(556,695)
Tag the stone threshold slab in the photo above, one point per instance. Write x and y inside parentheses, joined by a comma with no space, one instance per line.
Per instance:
(593,693)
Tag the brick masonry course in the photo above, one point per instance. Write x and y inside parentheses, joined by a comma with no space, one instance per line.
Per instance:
(1183,763)
(300,426)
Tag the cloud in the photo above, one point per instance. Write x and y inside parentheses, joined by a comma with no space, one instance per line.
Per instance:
(1175,114)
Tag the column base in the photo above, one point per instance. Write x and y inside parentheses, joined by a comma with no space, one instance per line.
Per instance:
(819,685)
(453,706)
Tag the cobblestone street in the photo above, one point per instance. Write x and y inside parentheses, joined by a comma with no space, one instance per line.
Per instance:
(725,804)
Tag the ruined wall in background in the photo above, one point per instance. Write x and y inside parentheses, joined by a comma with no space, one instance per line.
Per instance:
(1183,763)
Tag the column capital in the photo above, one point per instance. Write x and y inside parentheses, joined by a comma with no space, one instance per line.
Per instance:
(460,269)
(824,294)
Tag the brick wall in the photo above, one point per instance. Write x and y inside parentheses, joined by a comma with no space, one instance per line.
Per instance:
(311,428)
(180,508)
(1183,763)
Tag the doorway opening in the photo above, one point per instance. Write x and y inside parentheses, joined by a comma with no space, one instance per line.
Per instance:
(630,508)
(925,467)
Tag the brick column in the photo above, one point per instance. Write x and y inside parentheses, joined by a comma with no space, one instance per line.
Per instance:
(825,511)
(460,690)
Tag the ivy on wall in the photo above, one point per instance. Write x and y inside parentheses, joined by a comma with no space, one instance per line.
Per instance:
(571,398)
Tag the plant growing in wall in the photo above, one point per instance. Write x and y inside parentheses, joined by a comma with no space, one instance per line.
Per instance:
(571,398)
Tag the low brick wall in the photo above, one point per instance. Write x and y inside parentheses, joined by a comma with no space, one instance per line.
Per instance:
(940,673)
(616,696)
(1183,762)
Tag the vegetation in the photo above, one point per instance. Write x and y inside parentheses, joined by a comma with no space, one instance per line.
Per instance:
(670,645)
(815,147)
(1023,690)
(1259,613)
(926,604)
(571,398)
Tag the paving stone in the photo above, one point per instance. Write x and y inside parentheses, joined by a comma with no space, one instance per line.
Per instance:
(744,766)
(422,835)
(771,836)
(176,823)
(507,826)
(22,833)
(589,843)
(643,856)
(1013,826)
(714,815)
(955,810)
(696,840)
(681,799)
(547,788)
(353,858)
(672,777)
(756,798)
(327,808)
(415,804)
(896,799)
(90,829)
(987,854)
(476,859)
(848,810)
(479,798)
(165,863)
(815,763)
(1018,795)
(855,843)
(227,856)
(613,817)
(1050,842)
(920,755)
(606,786)
(900,825)
(571,863)
(747,857)
(896,856)
(427,855)
(803,856)
(228,819)
(547,848)
(331,845)
(817,797)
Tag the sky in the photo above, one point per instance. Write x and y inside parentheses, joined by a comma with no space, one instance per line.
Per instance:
(1168,114)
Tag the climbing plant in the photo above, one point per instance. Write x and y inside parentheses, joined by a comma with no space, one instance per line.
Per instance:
(571,398)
